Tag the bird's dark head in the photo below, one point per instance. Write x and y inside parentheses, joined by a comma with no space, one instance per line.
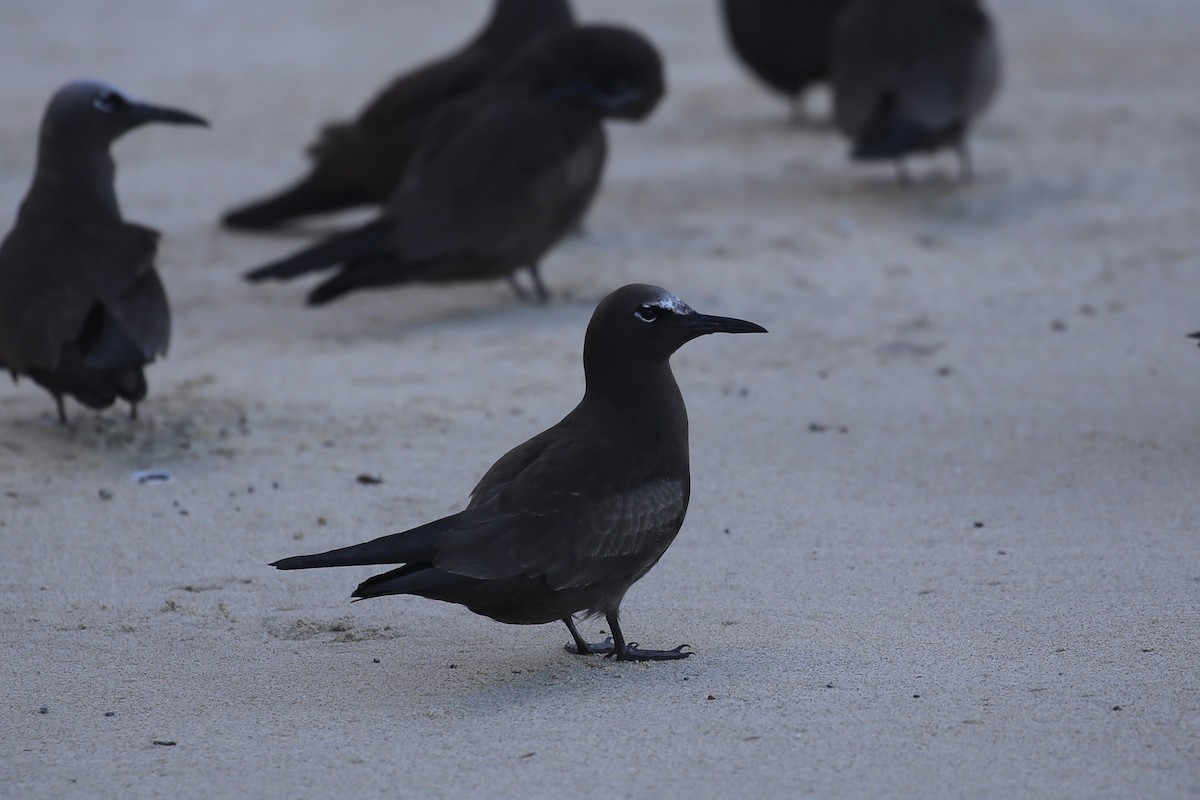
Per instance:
(639,323)
(96,113)
(613,70)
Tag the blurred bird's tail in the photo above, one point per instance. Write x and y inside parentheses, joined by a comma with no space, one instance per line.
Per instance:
(890,134)
(353,245)
(360,274)
(309,196)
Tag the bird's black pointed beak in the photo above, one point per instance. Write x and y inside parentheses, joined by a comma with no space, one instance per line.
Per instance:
(700,324)
(144,112)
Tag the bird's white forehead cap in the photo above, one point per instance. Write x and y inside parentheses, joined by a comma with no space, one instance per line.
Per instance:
(671,303)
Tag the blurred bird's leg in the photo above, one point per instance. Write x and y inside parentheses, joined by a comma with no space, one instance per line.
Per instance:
(133,411)
(539,288)
(616,646)
(540,295)
(62,411)
(798,109)
(518,289)
(966,170)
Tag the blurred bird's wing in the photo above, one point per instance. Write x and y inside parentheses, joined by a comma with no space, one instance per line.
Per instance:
(951,69)
(863,65)
(390,125)
(416,93)
(52,278)
(496,177)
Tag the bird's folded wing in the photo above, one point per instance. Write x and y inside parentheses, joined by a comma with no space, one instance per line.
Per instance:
(952,69)
(491,177)
(52,277)
(565,522)
(419,92)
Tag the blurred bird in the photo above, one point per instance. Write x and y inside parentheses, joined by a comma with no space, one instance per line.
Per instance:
(360,162)
(501,175)
(568,521)
(910,76)
(82,308)
(785,43)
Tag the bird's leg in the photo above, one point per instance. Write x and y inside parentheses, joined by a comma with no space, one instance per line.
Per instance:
(133,412)
(582,648)
(966,170)
(540,295)
(518,289)
(902,175)
(539,288)
(62,411)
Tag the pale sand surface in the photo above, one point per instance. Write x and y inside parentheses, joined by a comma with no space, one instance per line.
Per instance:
(1009,353)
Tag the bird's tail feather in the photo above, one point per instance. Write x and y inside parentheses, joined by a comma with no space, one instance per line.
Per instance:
(418,579)
(888,138)
(386,271)
(417,545)
(889,134)
(341,247)
(309,196)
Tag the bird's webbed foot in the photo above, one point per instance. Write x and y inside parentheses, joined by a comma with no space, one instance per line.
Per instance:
(633,653)
(615,646)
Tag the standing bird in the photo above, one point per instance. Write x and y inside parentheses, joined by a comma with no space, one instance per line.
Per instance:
(82,308)
(501,175)
(785,43)
(568,521)
(361,162)
(910,76)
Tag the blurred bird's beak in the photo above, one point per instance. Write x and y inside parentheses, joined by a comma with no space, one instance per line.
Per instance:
(144,112)
(700,324)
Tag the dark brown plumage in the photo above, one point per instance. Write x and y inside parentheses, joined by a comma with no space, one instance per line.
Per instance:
(361,162)
(785,43)
(82,309)
(910,76)
(569,520)
(501,175)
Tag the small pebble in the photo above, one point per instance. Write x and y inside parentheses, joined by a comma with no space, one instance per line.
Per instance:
(105,494)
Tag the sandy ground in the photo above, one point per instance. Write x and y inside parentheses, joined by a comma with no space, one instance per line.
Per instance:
(944,537)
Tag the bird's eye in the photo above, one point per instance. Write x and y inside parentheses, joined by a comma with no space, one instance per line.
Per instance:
(647,313)
(108,102)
